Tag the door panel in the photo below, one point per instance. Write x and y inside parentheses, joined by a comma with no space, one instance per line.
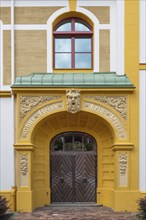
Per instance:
(85,178)
(73,177)
(61,178)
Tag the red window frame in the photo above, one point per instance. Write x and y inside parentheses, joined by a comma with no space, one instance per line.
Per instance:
(73,35)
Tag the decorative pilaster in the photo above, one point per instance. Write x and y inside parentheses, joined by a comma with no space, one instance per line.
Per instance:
(24,153)
(123,169)
(122,164)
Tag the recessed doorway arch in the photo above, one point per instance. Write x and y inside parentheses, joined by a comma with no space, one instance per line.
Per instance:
(57,123)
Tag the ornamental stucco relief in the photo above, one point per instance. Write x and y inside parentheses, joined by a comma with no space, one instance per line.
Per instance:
(37,115)
(73,100)
(119,103)
(24,164)
(27,103)
(123,169)
(121,132)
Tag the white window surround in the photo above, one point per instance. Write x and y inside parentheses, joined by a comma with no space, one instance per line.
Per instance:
(116,28)
(50,36)
(116,33)
(97,26)
(32,3)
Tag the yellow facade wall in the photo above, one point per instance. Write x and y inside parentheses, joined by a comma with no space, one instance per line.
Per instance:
(33,15)
(10,195)
(132,70)
(102,13)
(62,122)
(30,52)
(5,15)
(7,57)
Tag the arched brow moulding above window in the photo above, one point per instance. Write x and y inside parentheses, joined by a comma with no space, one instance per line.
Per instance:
(60,15)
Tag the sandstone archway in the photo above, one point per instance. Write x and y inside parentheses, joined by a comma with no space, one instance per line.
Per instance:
(63,122)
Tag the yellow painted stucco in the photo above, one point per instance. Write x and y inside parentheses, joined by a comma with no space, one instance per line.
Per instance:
(33,190)
(72,5)
(37,146)
(142,66)
(10,196)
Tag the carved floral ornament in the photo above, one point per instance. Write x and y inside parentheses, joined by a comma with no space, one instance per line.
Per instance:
(37,115)
(123,170)
(119,103)
(73,100)
(24,164)
(28,103)
(123,163)
(112,118)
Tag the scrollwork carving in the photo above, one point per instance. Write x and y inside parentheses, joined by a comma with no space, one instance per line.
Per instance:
(27,103)
(108,115)
(123,160)
(38,114)
(123,169)
(119,103)
(24,164)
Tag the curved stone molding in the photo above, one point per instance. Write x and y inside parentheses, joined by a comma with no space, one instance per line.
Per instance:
(27,103)
(73,100)
(121,132)
(24,164)
(37,115)
(119,103)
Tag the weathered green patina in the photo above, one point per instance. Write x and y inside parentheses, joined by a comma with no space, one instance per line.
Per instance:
(85,80)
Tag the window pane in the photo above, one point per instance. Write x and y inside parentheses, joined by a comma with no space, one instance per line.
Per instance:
(82,45)
(82,60)
(81,27)
(62,45)
(58,145)
(68,143)
(64,27)
(63,60)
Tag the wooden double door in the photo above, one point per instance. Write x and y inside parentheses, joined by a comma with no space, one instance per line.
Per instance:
(73,176)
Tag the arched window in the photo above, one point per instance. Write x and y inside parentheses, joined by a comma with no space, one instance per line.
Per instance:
(73,45)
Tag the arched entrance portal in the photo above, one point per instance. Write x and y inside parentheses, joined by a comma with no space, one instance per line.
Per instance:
(43,138)
(73,168)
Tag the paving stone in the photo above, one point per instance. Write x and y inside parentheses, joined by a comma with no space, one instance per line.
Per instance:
(74,213)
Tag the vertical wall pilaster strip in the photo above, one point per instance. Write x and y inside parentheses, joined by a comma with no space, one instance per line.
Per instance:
(142,31)
(12,81)
(113,40)
(142,112)
(12,42)
(1,54)
(142,144)
(120,36)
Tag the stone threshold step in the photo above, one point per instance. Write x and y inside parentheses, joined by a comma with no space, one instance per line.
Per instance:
(77,204)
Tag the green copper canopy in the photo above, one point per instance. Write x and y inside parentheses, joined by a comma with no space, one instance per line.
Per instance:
(84,80)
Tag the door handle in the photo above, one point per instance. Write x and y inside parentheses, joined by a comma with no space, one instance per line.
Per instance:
(61,179)
(84,179)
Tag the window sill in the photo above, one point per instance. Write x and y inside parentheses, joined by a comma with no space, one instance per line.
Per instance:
(73,70)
